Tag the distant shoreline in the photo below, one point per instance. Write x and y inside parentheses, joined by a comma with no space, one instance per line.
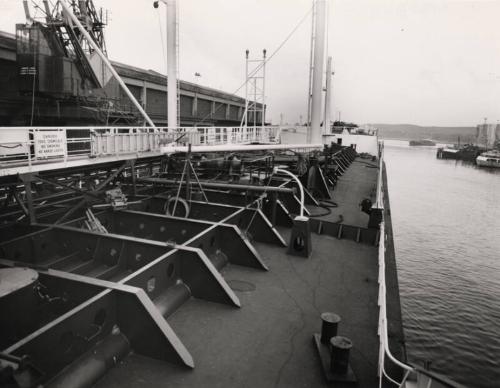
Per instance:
(409,132)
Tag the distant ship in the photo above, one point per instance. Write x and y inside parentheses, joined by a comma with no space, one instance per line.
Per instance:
(468,152)
(489,159)
(424,142)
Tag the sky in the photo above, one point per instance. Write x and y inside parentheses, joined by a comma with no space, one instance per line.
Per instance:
(425,62)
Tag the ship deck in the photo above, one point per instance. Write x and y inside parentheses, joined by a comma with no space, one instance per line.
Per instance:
(268,342)
(263,336)
(358,182)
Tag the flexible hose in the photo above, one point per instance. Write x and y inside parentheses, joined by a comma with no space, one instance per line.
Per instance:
(328,203)
(326,213)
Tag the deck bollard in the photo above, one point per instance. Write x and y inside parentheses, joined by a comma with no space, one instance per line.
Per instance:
(329,326)
(376,216)
(300,238)
(340,354)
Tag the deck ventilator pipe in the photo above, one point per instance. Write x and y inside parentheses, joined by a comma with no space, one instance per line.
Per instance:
(301,188)
(106,62)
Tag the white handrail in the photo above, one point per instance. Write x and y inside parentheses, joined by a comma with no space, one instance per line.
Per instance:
(384,340)
(20,147)
(423,378)
(382,325)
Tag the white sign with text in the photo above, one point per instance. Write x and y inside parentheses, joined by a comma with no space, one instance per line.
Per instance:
(50,144)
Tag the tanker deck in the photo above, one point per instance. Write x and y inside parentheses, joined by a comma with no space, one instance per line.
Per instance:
(117,291)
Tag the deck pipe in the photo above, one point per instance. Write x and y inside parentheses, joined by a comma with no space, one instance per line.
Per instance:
(172,148)
(225,186)
(219,259)
(172,298)
(301,188)
(94,364)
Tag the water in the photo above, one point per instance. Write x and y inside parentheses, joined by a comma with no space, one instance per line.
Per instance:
(446,218)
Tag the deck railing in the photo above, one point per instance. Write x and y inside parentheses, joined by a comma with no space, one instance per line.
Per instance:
(413,377)
(29,146)
(384,351)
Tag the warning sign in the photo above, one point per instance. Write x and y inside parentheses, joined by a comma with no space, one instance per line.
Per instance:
(49,144)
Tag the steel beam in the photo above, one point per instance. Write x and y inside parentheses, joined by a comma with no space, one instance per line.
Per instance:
(111,256)
(261,229)
(184,265)
(217,240)
(27,179)
(58,184)
(102,317)
(21,204)
(254,222)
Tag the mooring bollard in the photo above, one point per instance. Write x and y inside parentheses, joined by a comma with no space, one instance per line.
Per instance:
(300,238)
(329,326)
(340,354)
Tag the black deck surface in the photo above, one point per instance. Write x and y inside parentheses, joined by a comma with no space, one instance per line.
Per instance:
(358,182)
(268,342)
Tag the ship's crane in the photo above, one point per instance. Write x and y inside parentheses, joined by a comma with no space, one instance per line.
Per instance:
(70,40)
(69,34)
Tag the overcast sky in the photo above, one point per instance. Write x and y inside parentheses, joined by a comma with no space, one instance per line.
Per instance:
(434,62)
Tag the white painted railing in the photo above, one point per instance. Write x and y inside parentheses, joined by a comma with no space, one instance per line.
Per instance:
(413,377)
(29,146)
(379,200)
(384,350)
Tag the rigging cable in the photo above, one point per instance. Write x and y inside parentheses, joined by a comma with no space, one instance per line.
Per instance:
(266,60)
(34,79)
(162,42)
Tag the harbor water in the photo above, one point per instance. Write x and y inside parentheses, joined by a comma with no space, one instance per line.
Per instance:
(446,219)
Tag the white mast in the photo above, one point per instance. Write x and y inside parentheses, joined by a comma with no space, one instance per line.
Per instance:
(263,115)
(245,113)
(328,96)
(314,132)
(171,62)
(311,64)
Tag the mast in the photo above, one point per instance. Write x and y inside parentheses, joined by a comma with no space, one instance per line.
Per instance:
(314,132)
(171,63)
(328,96)
(309,89)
